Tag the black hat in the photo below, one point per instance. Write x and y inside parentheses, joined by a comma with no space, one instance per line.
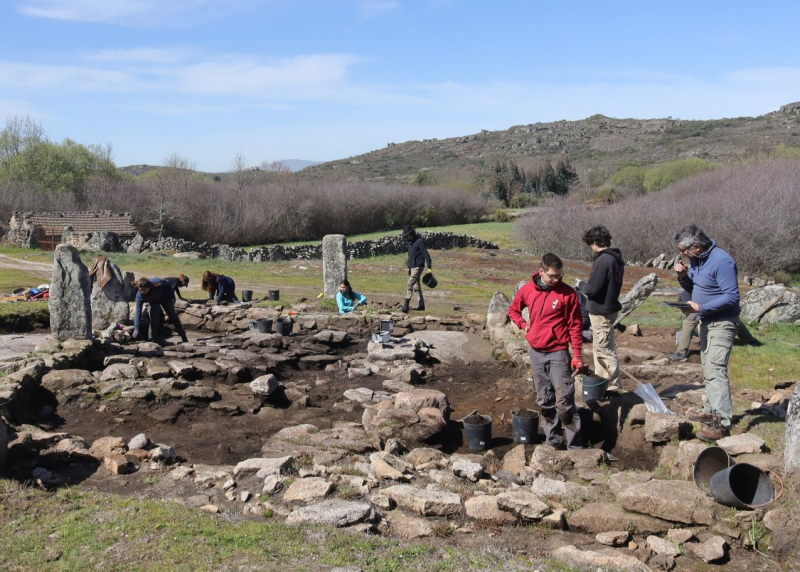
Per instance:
(408,230)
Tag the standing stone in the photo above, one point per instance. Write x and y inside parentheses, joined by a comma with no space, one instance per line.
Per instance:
(70,292)
(638,294)
(130,288)
(791,452)
(136,245)
(334,262)
(109,304)
(497,316)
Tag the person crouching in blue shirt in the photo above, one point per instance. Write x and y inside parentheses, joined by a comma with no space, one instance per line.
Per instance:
(158,294)
(220,286)
(347,299)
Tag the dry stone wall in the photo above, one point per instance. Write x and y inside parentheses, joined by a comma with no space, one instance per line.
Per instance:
(359,249)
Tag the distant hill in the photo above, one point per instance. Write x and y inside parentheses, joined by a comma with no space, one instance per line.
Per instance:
(299,164)
(597,143)
(292,164)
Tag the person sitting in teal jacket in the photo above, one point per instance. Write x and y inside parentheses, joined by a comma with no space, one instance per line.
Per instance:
(347,299)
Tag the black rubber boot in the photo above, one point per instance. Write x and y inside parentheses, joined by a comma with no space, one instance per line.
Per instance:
(421,306)
(404,307)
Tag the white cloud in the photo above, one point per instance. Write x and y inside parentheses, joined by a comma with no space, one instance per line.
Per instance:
(377,8)
(39,78)
(141,55)
(150,13)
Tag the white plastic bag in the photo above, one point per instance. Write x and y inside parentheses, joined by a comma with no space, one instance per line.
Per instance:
(651,399)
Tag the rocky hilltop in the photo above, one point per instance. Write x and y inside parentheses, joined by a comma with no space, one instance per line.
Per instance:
(597,142)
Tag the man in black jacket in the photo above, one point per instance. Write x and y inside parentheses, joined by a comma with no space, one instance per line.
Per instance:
(418,257)
(602,289)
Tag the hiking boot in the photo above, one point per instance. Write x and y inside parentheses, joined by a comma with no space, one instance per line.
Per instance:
(421,307)
(755,343)
(701,416)
(713,433)
(678,356)
(404,307)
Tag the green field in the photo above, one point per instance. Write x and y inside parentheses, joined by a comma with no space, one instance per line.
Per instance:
(500,233)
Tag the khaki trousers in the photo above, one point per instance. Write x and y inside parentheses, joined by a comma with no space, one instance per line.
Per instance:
(716,341)
(413,284)
(604,347)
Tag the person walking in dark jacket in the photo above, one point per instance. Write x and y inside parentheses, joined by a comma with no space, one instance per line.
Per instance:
(220,286)
(555,324)
(159,295)
(602,289)
(711,279)
(178,283)
(418,258)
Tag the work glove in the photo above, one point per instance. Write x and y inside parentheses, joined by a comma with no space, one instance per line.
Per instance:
(577,364)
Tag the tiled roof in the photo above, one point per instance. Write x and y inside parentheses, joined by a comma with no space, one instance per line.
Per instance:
(119,223)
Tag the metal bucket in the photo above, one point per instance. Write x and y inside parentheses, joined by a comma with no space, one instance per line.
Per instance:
(742,486)
(524,425)
(709,462)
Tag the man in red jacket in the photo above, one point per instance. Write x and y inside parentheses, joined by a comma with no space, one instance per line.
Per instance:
(555,324)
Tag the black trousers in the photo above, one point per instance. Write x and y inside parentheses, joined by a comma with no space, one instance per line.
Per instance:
(156,319)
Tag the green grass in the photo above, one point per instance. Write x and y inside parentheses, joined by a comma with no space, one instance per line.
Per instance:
(73,530)
(12,278)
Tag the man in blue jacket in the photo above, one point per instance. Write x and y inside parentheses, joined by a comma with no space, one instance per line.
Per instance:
(711,279)
(158,293)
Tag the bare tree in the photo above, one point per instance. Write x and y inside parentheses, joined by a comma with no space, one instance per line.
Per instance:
(170,192)
(19,134)
(275,167)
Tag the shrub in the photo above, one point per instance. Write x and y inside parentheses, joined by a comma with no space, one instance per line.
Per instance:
(501,215)
(751,211)
(629,177)
(661,176)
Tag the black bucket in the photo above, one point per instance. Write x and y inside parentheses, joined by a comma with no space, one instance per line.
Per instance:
(708,463)
(247,295)
(264,326)
(525,425)
(479,431)
(274,295)
(742,486)
(284,326)
(594,388)
(430,280)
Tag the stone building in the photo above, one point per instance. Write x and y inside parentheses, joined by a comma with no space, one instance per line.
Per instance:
(46,230)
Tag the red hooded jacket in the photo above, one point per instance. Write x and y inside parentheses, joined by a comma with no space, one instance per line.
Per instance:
(555,317)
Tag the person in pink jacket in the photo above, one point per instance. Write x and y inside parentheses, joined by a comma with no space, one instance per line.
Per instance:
(554,326)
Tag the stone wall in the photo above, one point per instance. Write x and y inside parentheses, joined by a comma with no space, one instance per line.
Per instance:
(360,249)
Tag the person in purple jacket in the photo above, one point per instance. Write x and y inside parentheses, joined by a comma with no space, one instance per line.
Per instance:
(711,280)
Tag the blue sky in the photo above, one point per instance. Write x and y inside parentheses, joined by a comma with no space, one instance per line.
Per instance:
(323,80)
